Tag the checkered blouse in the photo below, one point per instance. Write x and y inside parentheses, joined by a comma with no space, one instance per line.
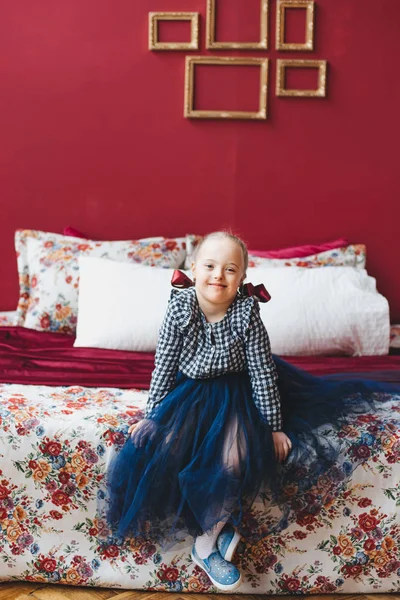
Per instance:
(199,350)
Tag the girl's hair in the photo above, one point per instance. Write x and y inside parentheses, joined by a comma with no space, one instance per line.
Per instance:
(224,235)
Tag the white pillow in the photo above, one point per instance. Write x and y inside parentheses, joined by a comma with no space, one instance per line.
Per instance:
(120,306)
(312,311)
(324,311)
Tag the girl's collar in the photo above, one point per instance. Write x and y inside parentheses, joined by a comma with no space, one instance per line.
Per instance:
(212,323)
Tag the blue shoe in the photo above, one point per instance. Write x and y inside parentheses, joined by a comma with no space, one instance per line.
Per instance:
(224,575)
(227,542)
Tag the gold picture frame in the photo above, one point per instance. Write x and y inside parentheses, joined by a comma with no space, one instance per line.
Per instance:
(282,64)
(155,17)
(191,113)
(211,42)
(282,5)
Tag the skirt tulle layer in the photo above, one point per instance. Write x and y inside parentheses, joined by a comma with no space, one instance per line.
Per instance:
(205,453)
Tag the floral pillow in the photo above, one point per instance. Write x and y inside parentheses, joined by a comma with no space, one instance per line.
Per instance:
(7,318)
(21,237)
(354,255)
(49,272)
(395,336)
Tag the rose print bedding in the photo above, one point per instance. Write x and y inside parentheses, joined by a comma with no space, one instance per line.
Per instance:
(56,442)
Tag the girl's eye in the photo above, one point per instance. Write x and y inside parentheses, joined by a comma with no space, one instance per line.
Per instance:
(231,270)
(209,266)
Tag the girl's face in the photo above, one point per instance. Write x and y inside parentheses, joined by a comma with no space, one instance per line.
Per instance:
(219,270)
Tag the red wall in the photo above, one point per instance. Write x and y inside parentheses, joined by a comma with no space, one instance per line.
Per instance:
(92,132)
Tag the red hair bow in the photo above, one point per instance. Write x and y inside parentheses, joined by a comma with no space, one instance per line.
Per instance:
(181,280)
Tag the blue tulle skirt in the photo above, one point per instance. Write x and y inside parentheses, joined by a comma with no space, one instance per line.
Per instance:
(205,454)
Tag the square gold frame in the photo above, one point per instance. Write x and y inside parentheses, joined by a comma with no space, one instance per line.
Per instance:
(155,17)
(282,64)
(280,25)
(191,113)
(212,44)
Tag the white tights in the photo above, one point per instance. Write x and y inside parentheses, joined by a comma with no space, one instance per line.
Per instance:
(234,446)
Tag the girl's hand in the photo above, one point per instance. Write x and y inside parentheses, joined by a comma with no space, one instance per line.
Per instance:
(142,432)
(133,427)
(282,445)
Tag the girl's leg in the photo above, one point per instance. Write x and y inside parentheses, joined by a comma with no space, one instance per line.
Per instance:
(224,575)
(232,457)
(206,543)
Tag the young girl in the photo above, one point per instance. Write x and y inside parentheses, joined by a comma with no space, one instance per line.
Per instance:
(213,429)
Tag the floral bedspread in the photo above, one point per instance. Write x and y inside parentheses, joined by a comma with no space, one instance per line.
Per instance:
(55,445)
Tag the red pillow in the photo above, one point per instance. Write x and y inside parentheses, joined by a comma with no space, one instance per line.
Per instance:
(300,251)
(74,232)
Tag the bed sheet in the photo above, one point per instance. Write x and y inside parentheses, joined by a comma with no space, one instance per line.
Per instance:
(43,358)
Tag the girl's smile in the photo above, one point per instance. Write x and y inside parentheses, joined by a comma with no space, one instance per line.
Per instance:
(218,272)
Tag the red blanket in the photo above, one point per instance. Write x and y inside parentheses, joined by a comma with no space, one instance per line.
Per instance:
(41,358)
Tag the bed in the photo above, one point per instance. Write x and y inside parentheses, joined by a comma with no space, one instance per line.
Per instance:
(65,409)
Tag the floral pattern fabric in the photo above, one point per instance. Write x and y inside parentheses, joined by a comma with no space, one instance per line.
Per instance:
(395,336)
(343,535)
(7,318)
(354,255)
(350,256)
(49,272)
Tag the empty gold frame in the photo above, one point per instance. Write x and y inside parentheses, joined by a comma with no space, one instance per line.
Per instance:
(282,64)
(212,44)
(280,24)
(191,113)
(155,17)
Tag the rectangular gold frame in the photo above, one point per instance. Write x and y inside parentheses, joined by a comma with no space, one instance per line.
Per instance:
(282,64)
(212,44)
(191,113)
(155,17)
(280,25)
